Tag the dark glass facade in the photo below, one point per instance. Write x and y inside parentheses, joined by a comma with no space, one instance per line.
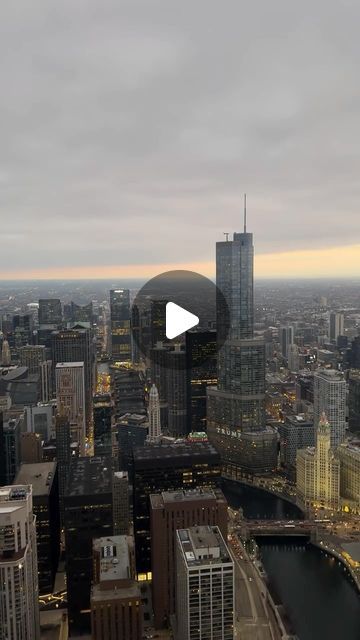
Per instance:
(200,346)
(120,325)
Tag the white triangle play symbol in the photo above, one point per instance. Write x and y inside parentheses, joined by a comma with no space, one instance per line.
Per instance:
(178,320)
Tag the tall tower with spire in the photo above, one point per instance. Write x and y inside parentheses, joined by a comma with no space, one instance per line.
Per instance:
(154,414)
(236,407)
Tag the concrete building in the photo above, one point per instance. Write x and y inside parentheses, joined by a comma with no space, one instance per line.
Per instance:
(336,326)
(10,436)
(63,457)
(354,400)
(349,457)
(205,585)
(19,610)
(293,358)
(330,398)
(116,611)
(154,415)
(286,338)
(46,381)
(32,356)
(169,511)
(43,478)
(121,503)
(39,419)
(30,448)
(70,398)
(318,472)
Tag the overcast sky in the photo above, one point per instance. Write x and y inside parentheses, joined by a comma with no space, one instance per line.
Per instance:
(130,130)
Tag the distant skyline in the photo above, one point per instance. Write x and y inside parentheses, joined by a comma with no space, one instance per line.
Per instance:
(130,130)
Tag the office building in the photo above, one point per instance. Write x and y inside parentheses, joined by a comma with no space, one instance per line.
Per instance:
(236,407)
(167,467)
(22,325)
(318,472)
(159,376)
(354,400)
(5,354)
(46,381)
(336,326)
(201,373)
(121,503)
(50,312)
(70,398)
(286,338)
(10,434)
(349,457)
(120,325)
(354,353)
(31,356)
(81,313)
(63,457)
(43,478)
(19,610)
(296,432)
(116,610)
(76,345)
(169,511)
(205,600)
(154,415)
(30,448)
(88,515)
(293,358)
(330,398)
(127,391)
(176,392)
(102,410)
(39,419)
(132,431)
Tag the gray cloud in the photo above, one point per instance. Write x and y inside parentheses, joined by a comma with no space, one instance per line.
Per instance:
(130,129)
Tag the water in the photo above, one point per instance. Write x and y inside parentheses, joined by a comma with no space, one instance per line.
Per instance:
(318,596)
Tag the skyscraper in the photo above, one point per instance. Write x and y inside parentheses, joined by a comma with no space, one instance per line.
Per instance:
(169,511)
(354,400)
(19,608)
(63,456)
(50,311)
(32,356)
(336,326)
(199,375)
(70,398)
(205,585)
(102,410)
(154,414)
(176,391)
(120,325)
(286,338)
(236,407)
(330,398)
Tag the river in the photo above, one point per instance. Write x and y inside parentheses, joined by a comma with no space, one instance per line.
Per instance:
(318,596)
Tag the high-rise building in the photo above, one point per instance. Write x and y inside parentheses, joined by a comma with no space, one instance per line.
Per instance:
(63,456)
(349,456)
(296,432)
(354,353)
(330,398)
(102,410)
(39,419)
(201,373)
(46,381)
(10,435)
(30,448)
(120,325)
(5,354)
(116,609)
(162,467)
(32,356)
(318,471)
(176,391)
(286,338)
(22,329)
(336,326)
(76,345)
(293,358)
(236,407)
(354,400)
(81,313)
(132,432)
(70,398)
(205,600)
(88,515)
(170,511)
(159,376)
(43,478)
(50,311)
(19,608)
(154,414)
(121,503)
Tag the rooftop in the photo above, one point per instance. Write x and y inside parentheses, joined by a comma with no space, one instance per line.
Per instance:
(158,501)
(90,476)
(185,449)
(203,546)
(40,475)
(115,562)
(66,365)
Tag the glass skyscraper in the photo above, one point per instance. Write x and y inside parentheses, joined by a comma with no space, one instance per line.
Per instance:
(236,407)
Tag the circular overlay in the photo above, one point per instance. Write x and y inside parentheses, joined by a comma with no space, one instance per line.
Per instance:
(193,293)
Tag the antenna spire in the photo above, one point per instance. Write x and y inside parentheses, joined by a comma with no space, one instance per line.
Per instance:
(244,212)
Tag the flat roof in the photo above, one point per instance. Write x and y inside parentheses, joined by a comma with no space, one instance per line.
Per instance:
(168,451)
(90,476)
(40,475)
(65,365)
(114,553)
(159,500)
(203,545)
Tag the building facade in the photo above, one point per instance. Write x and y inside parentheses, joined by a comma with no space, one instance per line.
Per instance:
(70,398)
(120,325)
(330,398)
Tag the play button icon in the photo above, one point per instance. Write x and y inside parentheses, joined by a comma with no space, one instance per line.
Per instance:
(178,320)
(173,319)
